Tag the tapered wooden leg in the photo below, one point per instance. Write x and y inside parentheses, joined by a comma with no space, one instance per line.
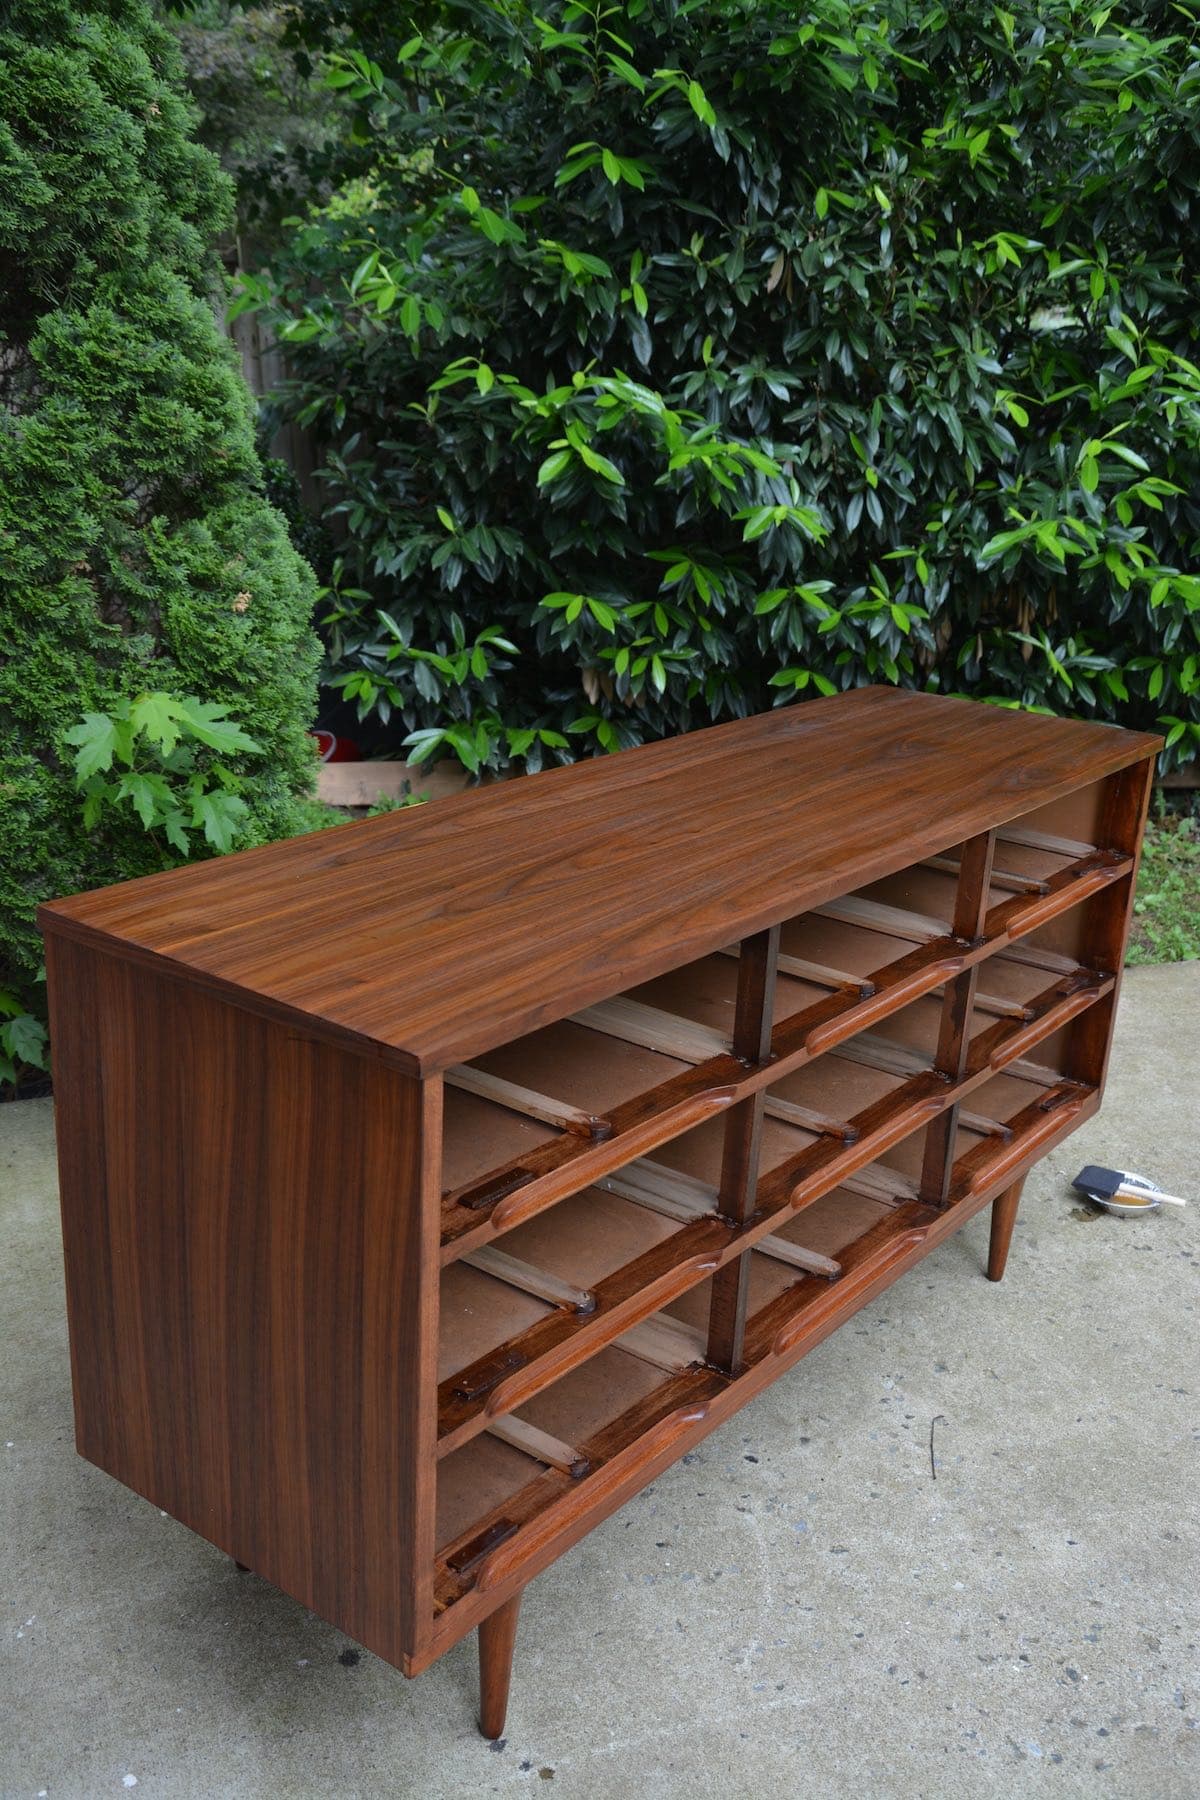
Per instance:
(1004,1217)
(497,1636)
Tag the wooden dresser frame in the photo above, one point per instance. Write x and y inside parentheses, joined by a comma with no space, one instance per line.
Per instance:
(431,1184)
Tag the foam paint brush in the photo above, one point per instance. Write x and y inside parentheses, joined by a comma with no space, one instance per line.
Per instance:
(1121,1190)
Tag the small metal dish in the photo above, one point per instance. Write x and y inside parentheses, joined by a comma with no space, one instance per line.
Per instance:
(1129,1208)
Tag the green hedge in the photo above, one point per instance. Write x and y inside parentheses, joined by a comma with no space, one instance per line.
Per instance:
(136,549)
(672,360)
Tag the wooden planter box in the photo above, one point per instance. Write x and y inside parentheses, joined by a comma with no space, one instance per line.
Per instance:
(365,784)
(431,1184)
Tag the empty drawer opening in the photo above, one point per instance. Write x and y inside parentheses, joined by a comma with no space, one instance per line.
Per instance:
(532,1459)
(520,1311)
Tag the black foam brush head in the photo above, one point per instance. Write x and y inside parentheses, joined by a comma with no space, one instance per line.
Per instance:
(1095,1180)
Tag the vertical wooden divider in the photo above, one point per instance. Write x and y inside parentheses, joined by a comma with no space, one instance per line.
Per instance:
(743,1132)
(958,1002)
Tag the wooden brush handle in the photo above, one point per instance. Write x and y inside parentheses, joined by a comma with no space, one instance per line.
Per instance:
(1127,1191)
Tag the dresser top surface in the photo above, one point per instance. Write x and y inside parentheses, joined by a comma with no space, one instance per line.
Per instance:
(437,932)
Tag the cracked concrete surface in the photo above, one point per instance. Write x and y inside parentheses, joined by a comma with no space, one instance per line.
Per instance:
(796,1608)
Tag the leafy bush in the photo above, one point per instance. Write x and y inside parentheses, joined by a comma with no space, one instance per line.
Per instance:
(157,744)
(671,360)
(136,549)
(22,1037)
(1166,923)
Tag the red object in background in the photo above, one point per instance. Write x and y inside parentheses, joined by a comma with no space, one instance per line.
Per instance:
(331,748)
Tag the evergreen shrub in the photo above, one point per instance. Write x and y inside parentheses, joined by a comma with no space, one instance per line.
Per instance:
(138,554)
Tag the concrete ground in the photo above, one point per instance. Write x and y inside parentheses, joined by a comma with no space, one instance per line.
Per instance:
(797,1609)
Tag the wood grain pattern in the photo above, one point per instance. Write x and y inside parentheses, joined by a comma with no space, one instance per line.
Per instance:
(757,970)
(432,935)
(678,1197)
(541,1177)
(250,1057)
(975,876)
(550,1515)
(509,1373)
(497,1639)
(249,1223)
(1004,1217)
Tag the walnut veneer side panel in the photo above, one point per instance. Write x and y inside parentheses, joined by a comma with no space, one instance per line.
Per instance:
(250,1229)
